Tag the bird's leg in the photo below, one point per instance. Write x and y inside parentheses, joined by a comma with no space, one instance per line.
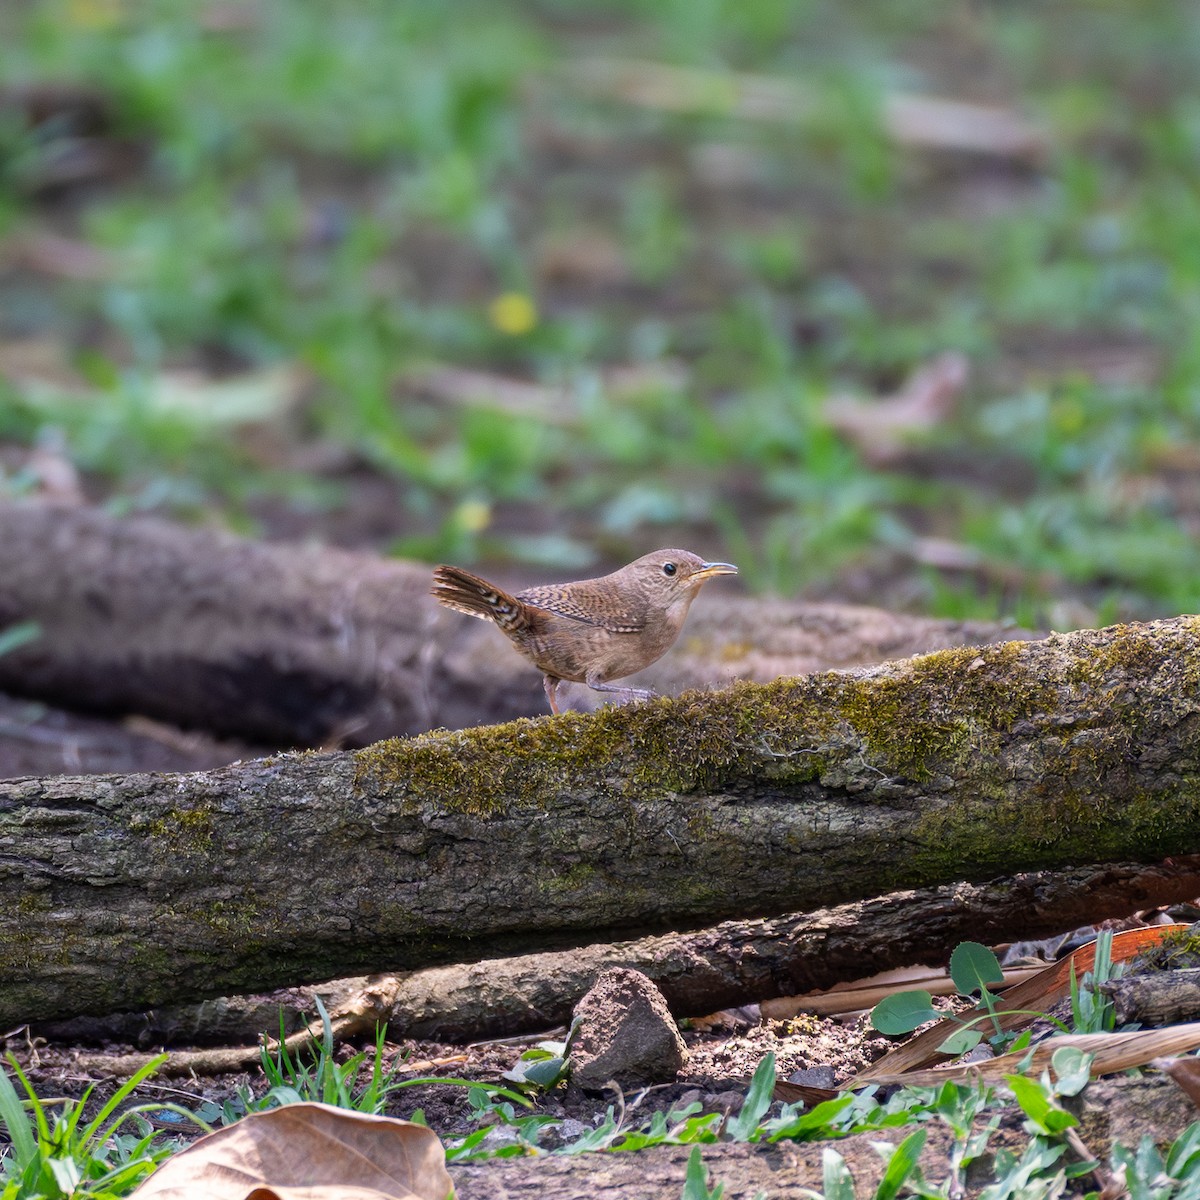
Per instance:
(550,683)
(628,692)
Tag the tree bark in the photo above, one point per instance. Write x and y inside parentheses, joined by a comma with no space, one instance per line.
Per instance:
(1160,997)
(300,647)
(131,891)
(733,963)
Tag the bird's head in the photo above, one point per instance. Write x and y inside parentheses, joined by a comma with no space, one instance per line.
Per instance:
(674,575)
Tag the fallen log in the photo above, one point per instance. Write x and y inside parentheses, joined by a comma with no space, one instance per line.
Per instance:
(289,646)
(1161,997)
(733,963)
(36,739)
(124,892)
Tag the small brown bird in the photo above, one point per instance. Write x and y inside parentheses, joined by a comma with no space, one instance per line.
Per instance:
(594,630)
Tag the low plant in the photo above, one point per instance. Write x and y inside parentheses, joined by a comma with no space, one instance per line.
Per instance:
(1092,1010)
(543,1066)
(1149,1175)
(318,1076)
(973,969)
(695,1181)
(54,1154)
(690,1125)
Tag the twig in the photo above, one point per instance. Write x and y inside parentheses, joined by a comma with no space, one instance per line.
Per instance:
(913,120)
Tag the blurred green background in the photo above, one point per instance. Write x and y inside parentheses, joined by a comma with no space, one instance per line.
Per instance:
(543,285)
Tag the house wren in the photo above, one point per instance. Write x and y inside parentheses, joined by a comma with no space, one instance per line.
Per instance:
(595,630)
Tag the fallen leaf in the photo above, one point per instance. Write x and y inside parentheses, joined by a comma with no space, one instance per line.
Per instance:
(1039,993)
(881,428)
(556,404)
(866,993)
(1186,1074)
(248,398)
(243,399)
(1112,1052)
(910,119)
(307,1152)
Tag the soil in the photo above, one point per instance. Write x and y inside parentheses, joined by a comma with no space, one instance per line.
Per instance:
(722,1057)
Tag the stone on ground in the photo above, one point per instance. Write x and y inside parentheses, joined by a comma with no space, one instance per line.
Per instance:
(625,1033)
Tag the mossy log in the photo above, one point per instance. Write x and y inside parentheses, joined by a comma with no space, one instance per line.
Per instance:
(699,972)
(289,646)
(124,892)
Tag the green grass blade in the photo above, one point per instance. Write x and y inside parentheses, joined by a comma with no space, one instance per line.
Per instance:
(901,1165)
(758,1099)
(16,1123)
(836,1180)
(115,1100)
(36,1106)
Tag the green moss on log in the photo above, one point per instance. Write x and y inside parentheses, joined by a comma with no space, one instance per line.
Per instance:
(915,722)
(1023,741)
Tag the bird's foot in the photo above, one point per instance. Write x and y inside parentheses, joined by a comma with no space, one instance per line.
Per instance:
(626,693)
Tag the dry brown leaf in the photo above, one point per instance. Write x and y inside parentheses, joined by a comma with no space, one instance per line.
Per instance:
(1186,1074)
(1112,1052)
(866,993)
(307,1152)
(1041,992)
(556,404)
(912,120)
(881,428)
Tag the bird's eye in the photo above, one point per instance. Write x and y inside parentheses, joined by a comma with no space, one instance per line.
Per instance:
(669,568)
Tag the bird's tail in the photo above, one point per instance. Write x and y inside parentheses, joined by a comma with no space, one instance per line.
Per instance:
(467,593)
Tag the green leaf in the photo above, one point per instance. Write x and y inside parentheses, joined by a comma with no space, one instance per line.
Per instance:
(903,1012)
(546,1073)
(900,1165)
(1022,1043)
(836,1181)
(1184,1156)
(744,1126)
(973,967)
(17,1125)
(695,1182)
(1036,1103)
(960,1041)
(1072,1070)
(66,1174)
(817,1123)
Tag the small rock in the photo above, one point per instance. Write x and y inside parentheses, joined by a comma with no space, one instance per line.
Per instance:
(626,1033)
(500,1136)
(726,1102)
(980,1053)
(554,1137)
(821,1076)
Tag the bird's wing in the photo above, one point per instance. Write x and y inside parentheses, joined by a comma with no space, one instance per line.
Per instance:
(583,603)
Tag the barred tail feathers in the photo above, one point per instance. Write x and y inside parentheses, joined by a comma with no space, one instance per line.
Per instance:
(466,593)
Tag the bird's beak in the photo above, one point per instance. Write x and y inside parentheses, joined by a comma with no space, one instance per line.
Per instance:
(708,570)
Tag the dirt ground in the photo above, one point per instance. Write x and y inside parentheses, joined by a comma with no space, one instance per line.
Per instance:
(721,1058)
